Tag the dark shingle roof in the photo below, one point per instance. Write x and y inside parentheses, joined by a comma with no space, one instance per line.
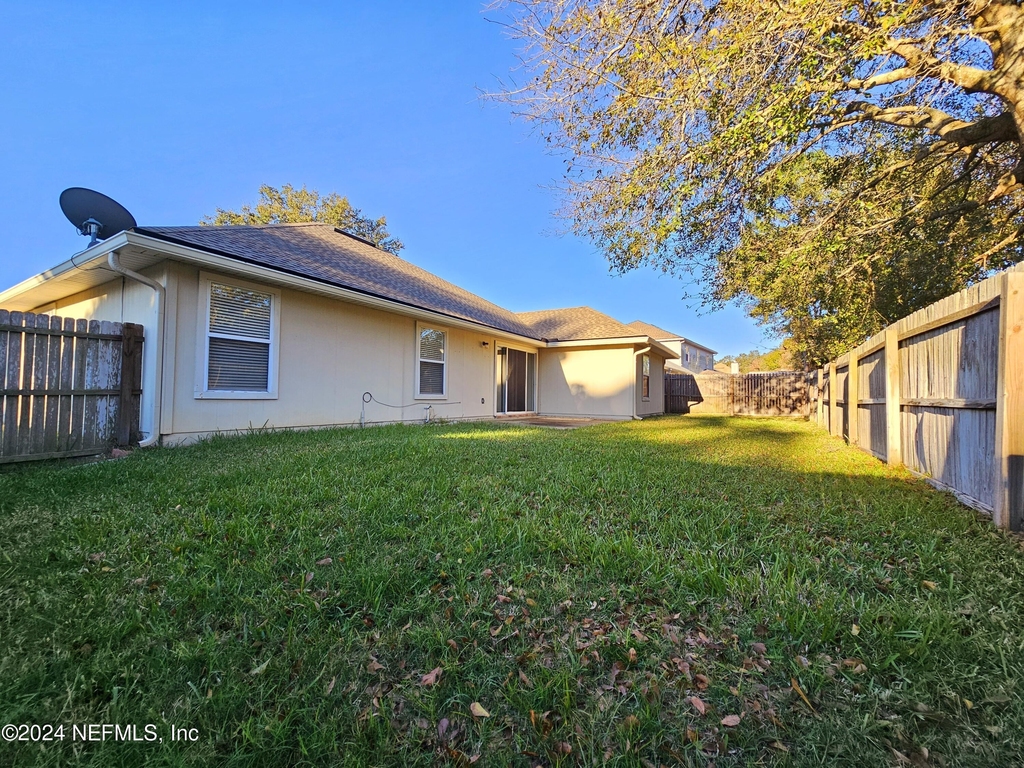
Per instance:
(659,334)
(320,252)
(576,324)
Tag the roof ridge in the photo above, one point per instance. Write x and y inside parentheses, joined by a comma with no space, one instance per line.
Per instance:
(248,226)
(563,309)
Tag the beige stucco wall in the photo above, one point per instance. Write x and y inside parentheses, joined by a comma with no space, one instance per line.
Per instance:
(587,382)
(655,404)
(330,353)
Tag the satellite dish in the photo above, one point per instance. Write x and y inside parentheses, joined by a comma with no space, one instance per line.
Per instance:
(94,214)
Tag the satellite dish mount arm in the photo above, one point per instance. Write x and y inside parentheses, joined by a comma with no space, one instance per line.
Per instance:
(91,229)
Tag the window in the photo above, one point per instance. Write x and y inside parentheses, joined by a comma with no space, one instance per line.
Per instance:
(646,387)
(237,353)
(431,362)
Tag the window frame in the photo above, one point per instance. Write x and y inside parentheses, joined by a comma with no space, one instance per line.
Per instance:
(645,378)
(202,379)
(417,394)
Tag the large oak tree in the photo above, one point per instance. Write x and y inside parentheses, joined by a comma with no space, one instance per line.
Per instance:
(289,205)
(832,164)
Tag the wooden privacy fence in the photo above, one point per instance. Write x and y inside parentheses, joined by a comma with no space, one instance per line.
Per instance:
(67,387)
(942,392)
(770,393)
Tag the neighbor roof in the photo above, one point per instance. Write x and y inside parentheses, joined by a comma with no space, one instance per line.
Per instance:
(654,331)
(660,334)
(321,252)
(576,324)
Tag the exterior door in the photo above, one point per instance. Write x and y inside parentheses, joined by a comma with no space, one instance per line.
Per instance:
(516,386)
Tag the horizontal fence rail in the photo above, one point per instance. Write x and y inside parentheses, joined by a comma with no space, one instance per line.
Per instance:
(767,393)
(941,392)
(67,387)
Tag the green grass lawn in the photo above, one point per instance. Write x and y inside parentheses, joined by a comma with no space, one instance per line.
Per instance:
(679,591)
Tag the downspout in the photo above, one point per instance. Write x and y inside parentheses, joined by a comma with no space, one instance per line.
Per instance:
(158,379)
(637,354)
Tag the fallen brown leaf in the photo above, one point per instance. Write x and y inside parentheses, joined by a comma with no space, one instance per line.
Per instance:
(799,690)
(698,704)
(431,677)
(325,561)
(374,665)
(478,711)
(731,721)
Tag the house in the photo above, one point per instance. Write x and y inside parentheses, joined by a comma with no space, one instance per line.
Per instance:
(692,357)
(305,325)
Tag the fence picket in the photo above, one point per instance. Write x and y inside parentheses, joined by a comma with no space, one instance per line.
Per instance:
(28,349)
(67,360)
(40,360)
(52,382)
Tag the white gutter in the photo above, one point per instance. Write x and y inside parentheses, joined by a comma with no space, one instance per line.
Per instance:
(637,354)
(158,379)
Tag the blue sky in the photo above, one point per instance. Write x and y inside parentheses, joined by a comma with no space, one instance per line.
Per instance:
(177,108)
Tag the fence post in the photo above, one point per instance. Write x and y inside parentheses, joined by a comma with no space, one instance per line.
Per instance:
(821,400)
(852,397)
(894,444)
(131,359)
(1008,510)
(835,426)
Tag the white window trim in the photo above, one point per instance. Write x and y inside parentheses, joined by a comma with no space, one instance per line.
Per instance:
(203,345)
(645,398)
(447,359)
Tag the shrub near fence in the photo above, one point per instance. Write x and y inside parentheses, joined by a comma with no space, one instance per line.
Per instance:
(942,392)
(67,387)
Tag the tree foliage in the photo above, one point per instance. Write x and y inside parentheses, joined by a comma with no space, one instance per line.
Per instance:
(289,205)
(784,357)
(832,164)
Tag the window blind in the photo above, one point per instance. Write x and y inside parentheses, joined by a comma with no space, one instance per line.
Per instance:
(239,339)
(239,312)
(238,366)
(431,378)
